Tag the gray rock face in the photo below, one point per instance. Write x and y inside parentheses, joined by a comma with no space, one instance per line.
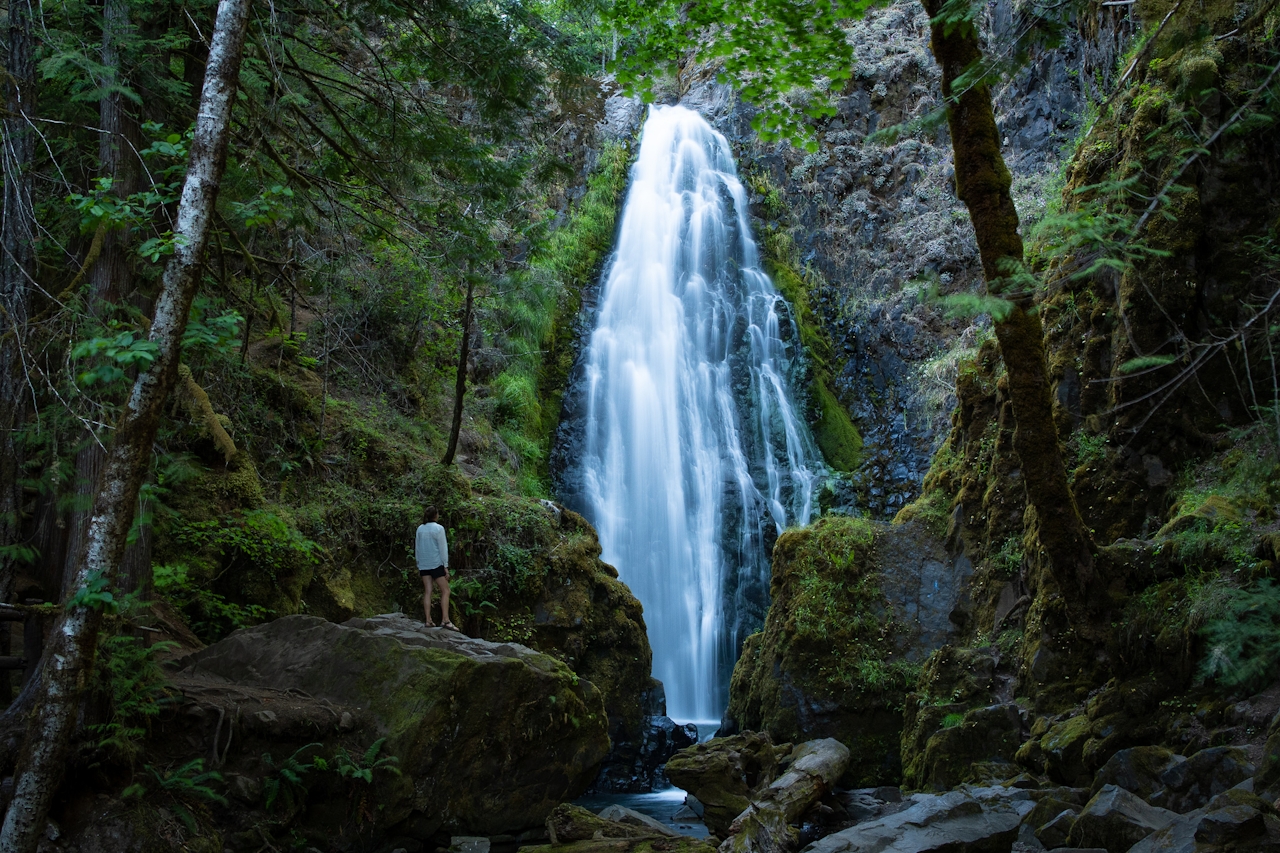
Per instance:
(491,736)
(1137,770)
(972,819)
(1116,820)
(1192,783)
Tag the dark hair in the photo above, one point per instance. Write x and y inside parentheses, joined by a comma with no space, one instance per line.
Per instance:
(429,514)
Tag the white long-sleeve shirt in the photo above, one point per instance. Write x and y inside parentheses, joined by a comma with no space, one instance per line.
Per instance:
(430,547)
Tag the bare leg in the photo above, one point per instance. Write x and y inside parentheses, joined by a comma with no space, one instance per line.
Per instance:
(443,584)
(426,599)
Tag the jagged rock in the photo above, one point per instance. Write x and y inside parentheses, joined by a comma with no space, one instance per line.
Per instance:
(1137,770)
(636,764)
(1057,830)
(1117,820)
(1233,824)
(725,773)
(1234,820)
(631,817)
(1049,811)
(489,737)
(1063,749)
(765,825)
(975,820)
(1192,783)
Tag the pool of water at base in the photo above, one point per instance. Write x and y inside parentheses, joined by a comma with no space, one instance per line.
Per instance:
(660,805)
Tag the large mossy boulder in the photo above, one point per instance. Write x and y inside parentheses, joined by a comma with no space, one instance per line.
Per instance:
(492,736)
(855,607)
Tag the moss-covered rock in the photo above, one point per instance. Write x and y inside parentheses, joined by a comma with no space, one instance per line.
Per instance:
(568,823)
(725,773)
(683,844)
(979,747)
(854,607)
(492,736)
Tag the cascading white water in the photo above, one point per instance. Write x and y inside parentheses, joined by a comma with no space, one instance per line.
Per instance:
(694,449)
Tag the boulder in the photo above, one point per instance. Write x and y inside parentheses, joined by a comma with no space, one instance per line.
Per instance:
(1116,820)
(1050,820)
(568,823)
(1235,825)
(1192,783)
(1056,831)
(854,607)
(975,820)
(631,817)
(984,737)
(636,762)
(491,736)
(648,844)
(765,825)
(1063,750)
(1137,770)
(725,773)
(1268,775)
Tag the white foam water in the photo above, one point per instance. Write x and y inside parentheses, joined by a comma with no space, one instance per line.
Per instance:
(695,455)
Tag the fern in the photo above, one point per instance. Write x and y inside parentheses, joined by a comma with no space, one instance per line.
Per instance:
(1244,643)
(186,787)
(285,784)
(362,768)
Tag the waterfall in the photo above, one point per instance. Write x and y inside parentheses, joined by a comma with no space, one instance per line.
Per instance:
(695,457)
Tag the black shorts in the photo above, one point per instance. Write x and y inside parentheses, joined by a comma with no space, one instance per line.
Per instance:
(437,573)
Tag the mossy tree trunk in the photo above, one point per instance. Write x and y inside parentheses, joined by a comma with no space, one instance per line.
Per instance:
(460,383)
(17,271)
(73,640)
(982,183)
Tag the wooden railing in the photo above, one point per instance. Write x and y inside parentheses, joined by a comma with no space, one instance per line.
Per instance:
(32,638)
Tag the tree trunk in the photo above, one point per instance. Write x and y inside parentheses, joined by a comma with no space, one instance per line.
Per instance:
(17,269)
(982,183)
(73,641)
(109,276)
(460,386)
(765,826)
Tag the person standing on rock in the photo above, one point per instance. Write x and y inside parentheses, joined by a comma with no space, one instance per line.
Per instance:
(432,552)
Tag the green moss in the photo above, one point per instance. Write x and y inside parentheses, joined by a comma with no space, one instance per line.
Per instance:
(837,436)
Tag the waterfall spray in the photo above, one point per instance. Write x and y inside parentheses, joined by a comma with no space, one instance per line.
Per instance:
(695,456)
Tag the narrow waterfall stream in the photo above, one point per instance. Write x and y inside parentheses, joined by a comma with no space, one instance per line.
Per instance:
(695,454)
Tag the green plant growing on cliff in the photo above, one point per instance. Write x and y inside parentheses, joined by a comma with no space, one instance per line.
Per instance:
(472,596)
(210,615)
(1244,642)
(136,688)
(285,782)
(187,788)
(359,770)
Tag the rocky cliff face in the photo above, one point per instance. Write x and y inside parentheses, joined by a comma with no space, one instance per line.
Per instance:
(870,227)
